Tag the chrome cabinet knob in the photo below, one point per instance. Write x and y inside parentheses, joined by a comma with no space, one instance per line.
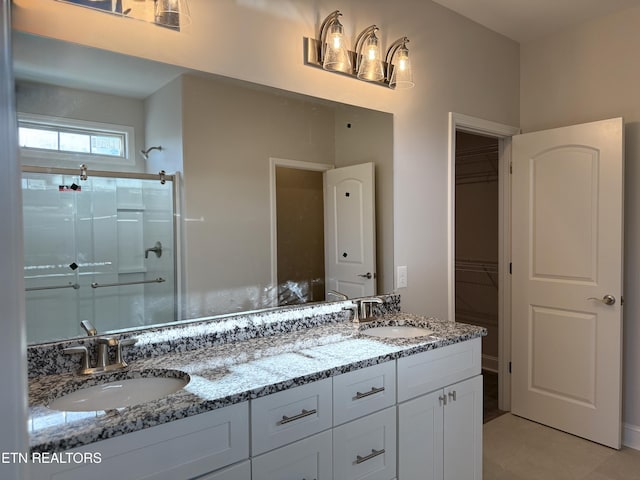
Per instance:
(607,299)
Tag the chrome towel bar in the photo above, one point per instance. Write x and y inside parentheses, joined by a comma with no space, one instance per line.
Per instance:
(98,285)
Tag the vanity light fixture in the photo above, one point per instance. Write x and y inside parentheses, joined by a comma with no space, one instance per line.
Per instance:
(334,53)
(329,52)
(171,13)
(369,65)
(399,74)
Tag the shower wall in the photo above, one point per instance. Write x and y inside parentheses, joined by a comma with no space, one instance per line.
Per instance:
(96,231)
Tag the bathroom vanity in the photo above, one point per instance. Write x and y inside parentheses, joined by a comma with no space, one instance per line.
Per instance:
(301,393)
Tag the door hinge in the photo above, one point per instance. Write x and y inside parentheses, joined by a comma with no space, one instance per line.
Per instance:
(510,268)
(509,367)
(510,167)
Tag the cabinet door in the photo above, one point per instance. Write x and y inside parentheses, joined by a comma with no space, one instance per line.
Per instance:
(308,459)
(365,449)
(463,430)
(420,438)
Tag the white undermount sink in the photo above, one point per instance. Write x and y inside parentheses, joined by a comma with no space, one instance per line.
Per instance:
(397,331)
(119,393)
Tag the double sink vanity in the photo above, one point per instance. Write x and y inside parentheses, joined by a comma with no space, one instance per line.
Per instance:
(296,393)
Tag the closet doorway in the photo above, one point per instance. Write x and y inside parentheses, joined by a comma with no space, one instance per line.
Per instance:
(476,249)
(479,240)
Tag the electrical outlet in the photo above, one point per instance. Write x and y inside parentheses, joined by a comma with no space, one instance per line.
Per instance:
(401,277)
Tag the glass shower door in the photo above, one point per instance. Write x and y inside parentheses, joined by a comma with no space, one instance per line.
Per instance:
(100,249)
(51,264)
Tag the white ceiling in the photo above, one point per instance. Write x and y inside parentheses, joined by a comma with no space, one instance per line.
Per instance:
(524,20)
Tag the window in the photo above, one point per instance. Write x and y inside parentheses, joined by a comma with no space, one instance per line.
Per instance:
(50,137)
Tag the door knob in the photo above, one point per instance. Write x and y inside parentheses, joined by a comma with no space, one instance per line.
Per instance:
(607,299)
(366,275)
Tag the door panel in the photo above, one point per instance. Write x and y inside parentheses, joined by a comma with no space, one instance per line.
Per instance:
(350,248)
(574,258)
(567,255)
(573,380)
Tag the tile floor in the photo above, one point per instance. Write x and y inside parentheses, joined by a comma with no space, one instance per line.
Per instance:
(517,449)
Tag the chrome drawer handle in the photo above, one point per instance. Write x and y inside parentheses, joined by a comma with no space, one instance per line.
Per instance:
(304,413)
(373,454)
(373,391)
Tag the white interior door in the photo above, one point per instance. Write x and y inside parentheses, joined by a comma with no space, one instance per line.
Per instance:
(567,270)
(350,242)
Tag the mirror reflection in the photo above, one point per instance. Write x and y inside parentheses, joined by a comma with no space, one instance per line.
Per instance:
(266,198)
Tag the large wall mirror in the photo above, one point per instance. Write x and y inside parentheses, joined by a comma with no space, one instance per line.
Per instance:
(237,221)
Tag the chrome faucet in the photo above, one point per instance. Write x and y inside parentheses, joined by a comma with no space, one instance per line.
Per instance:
(88,327)
(367,313)
(103,344)
(338,295)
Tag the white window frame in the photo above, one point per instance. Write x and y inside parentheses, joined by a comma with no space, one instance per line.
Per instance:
(29,155)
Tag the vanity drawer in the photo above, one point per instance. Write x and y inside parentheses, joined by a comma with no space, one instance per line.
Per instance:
(287,416)
(176,450)
(364,391)
(309,458)
(365,449)
(241,471)
(429,371)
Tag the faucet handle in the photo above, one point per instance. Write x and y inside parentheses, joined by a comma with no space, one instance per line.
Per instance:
(123,343)
(355,309)
(81,349)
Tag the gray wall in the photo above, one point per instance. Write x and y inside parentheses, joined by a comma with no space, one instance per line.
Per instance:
(229,134)
(163,125)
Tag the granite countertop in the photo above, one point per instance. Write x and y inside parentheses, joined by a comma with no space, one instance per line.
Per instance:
(229,373)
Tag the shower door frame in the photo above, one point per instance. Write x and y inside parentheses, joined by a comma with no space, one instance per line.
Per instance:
(174,178)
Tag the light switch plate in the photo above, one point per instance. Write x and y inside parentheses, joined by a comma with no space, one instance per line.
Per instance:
(401,277)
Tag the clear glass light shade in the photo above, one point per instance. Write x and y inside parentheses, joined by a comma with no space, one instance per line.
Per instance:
(172,13)
(371,67)
(336,56)
(402,76)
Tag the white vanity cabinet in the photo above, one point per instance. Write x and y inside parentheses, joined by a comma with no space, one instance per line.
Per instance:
(440,429)
(181,449)
(418,417)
